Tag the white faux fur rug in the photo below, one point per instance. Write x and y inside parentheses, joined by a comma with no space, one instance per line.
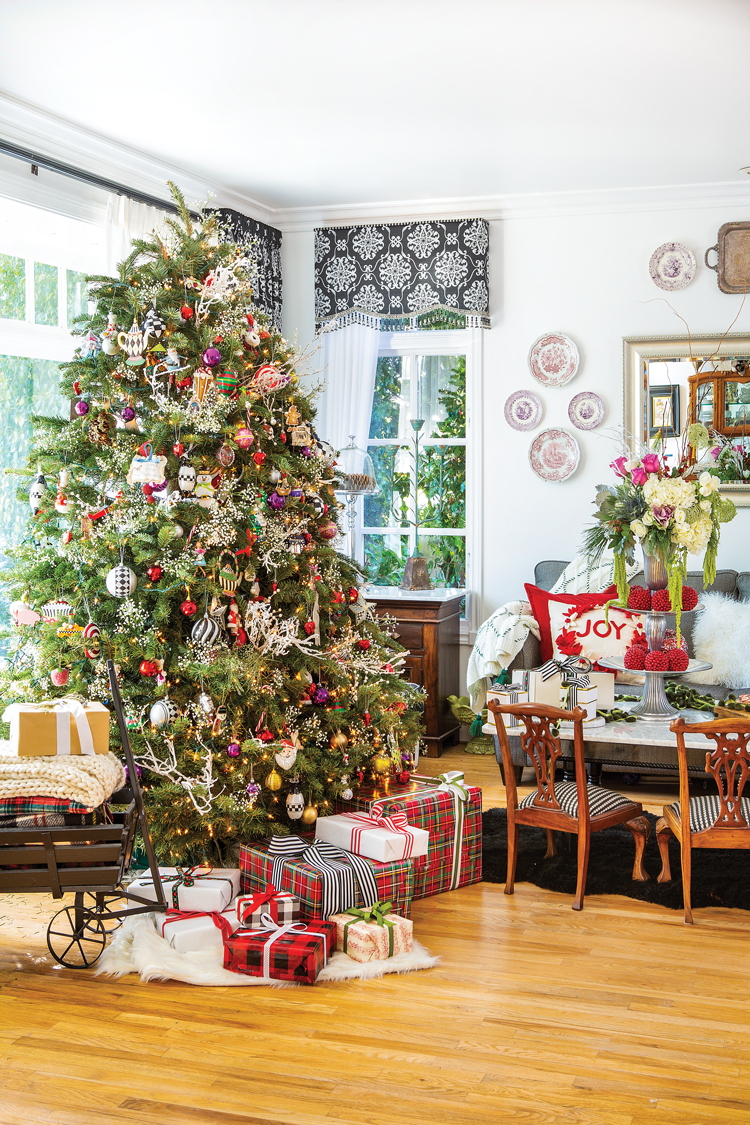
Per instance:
(721,635)
(138,947)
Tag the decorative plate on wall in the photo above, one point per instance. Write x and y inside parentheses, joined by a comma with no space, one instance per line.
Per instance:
(553,359)
(672,266)
(523,410)
(586,411)
(554,455)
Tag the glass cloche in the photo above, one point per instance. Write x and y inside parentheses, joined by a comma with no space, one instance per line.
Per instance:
(355,471)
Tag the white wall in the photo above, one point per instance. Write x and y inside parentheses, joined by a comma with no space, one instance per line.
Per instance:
(585,274)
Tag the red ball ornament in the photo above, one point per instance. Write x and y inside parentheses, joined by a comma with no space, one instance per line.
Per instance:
(309,628)
(266,736)
(353,594)
(259,457)
(147,488)
(186,382)
(148,668)
(218,339)
(366,717)
(328,530)
(245,438)
(364,644)
(186,312)
(283,436)
(178,449)
(264,335)
(189,608)
(155,572)
(404,776)
(240,639)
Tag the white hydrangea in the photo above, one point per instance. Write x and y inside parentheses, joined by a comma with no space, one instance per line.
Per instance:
(694,536)
(673,492)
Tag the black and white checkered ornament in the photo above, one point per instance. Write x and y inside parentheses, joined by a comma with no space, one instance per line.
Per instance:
(121,581)
(154,324)
(317,503)
(164,712)
(186,477)
(37,491)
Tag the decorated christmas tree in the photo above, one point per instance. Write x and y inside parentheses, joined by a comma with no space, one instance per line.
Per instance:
(182,524)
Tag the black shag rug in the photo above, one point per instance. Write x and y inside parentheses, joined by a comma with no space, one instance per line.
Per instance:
(719,877)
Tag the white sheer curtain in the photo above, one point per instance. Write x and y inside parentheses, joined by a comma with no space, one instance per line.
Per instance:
(127,219)
(350,359)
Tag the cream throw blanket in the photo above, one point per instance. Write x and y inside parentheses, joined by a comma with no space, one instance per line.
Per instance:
(87,779)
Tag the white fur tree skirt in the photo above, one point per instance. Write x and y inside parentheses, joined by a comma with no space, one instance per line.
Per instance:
(138,947)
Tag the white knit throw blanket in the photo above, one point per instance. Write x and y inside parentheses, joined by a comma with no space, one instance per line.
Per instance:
(87,779)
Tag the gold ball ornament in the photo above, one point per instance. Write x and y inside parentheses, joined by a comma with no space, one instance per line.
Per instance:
(339,741)
(381,764)
(274,781)
(309,814)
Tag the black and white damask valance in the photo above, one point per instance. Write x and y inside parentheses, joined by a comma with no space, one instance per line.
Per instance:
(400,276)
(266,249)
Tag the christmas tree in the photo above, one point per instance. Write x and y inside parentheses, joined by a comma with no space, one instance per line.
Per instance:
(182,524)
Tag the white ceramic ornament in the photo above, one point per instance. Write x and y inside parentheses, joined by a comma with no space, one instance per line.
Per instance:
(186,477)
(56,611)
(37,491)
(295,804)
(287,756)
(163,712)
(347,795)
(109,336)
(206,703)
(121,581)
(91,635)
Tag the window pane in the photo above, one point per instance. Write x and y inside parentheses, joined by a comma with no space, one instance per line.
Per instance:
(385,558)
(391,398)
(77,299)
(442,486)
(441,395)
(45,294)
(12,288)
(392,469)
(705,404)
(446,559)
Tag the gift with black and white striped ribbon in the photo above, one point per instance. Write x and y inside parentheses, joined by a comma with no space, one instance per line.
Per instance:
(342,873)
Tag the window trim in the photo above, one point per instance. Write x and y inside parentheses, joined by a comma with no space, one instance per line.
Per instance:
(468,342)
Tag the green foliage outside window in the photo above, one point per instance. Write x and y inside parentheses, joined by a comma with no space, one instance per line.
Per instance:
(45,294)
(12,288)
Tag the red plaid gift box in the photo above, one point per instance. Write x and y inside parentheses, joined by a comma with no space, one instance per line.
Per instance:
(394,880)
(297,952)
(283,908)
(448,809)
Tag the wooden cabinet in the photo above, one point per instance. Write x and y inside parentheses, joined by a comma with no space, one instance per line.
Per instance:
(721,399)
(429,627)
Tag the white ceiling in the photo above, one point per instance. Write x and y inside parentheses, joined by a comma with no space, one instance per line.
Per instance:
(301,103)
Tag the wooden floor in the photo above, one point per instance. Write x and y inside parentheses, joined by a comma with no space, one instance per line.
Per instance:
(615,1016)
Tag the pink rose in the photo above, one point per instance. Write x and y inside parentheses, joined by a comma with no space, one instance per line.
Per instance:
(619,466)
(639,475)
(651,463)
(715,452)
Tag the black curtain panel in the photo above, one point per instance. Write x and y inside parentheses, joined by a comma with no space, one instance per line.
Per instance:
(397,276)
(264,243)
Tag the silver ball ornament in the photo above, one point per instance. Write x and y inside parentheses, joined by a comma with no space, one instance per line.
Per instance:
(163,712)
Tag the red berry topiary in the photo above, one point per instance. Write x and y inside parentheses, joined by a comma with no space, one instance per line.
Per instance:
(657,661)
(635,657)
(678,660)
(689,598)
(661,601)
(639,598)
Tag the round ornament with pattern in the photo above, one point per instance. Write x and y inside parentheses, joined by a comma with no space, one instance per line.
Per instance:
(186,477)
(523,410)
(164,712)
(57,610)
(121,581)
(269,378)
(206,630)
(92,635)
(554,455)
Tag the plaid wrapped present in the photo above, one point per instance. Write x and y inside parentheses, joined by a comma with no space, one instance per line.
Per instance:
(450,811)
(393,880)
(30,806)
(297,952)
(283,907)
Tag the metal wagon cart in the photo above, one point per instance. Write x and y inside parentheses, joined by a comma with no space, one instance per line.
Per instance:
(87,861)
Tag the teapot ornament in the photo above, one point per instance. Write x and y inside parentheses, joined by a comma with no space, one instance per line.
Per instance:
(133,343)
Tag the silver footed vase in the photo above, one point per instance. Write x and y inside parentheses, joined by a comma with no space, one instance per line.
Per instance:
(654,705)
(656,578)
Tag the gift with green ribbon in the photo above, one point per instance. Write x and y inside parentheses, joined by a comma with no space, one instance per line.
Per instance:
(361,932)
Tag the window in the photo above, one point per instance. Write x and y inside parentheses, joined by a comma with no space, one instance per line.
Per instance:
(432,376)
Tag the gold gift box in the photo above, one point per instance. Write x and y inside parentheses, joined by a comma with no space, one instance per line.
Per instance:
(37,732)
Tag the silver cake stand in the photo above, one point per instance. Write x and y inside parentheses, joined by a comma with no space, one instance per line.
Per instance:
(654,705)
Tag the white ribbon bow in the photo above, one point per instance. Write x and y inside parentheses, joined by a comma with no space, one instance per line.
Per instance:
(63,708)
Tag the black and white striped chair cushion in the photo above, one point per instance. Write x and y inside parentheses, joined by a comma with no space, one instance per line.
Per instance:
(601,801)
(704,811)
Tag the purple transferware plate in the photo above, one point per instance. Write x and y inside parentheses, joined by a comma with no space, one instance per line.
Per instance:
(554,455)
(523,410)
(553,359)
(672,266)
(586,411)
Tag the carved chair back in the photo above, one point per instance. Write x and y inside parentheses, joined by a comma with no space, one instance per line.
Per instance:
(728,764)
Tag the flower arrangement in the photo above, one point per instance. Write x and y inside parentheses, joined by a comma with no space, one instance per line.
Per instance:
(670,512)
(731,460)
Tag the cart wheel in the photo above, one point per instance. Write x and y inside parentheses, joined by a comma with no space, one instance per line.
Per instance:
(76,938)
(97,902)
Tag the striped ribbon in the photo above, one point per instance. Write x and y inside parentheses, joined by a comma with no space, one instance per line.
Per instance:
(570,669)
(342,873)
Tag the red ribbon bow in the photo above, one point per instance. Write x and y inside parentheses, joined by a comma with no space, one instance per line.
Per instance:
(396,822)
(261,898)
(218,920)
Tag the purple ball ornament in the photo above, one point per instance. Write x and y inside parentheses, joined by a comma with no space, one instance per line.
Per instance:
(128,414)
(322,695)
(253,789)
(306,452)
(233,750)
(81,408)
(275,501)
(211,357)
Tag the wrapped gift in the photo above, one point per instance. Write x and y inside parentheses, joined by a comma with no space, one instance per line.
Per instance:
(506,694)
(322,883)
(188,931)
(548,691)
(450,811)
(296,952)
(377,837)
(203,889)
(573,695)
(373,933)
(282,906)
(57,727)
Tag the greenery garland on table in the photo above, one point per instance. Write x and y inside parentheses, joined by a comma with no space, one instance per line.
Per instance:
(681,696)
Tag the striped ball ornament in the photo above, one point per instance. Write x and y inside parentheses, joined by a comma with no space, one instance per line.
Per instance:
(91,635)
(206,630)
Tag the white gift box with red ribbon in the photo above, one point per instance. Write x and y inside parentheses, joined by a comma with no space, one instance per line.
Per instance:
(190,931)
(383,838)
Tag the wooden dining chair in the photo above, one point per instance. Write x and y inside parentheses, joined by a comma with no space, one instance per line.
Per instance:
(562,806)
(715,820)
